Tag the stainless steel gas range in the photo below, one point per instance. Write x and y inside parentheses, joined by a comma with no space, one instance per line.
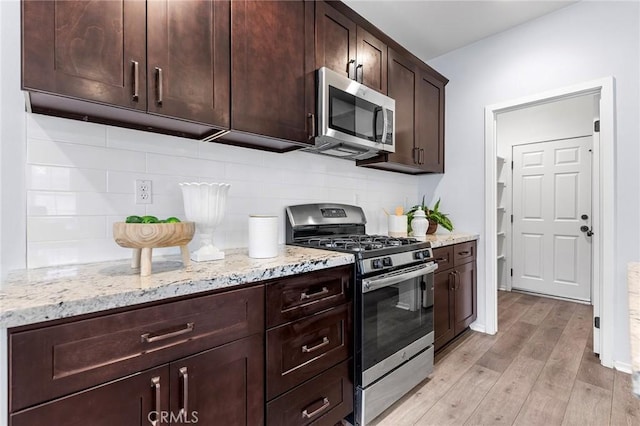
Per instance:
(393,325)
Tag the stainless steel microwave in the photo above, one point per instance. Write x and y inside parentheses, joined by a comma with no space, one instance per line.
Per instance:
(354,121)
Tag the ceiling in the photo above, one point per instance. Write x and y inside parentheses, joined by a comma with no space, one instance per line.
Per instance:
(431,28)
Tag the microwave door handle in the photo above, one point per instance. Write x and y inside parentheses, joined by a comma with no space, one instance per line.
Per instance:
(376,283)
(376,111)
(385,125)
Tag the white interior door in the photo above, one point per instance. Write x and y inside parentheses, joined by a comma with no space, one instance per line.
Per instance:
(551,202)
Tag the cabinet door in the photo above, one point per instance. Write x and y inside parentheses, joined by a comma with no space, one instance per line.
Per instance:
(443,307)
(86,50)
(430,123)
(134,400)
(402,87)
(335,40)
(465,310)
(372,58)
(273,68)
(222,386)
(188,58)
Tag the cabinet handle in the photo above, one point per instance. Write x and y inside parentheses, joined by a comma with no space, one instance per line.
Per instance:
(361,68)
(159,85)
(457,280)
(415,157)
(184,377)
(452,287)
(312,125)
(325,342)
(155,384)
(350,69)
(153,337)
(464,253)
(324,406)
(421,161)
(136,80)
(441,259)
(305,295)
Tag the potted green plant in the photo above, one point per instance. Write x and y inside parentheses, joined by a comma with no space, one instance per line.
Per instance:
(434,216)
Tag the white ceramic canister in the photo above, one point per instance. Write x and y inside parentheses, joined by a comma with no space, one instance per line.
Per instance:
(397,225)
(419,224)
(263,236)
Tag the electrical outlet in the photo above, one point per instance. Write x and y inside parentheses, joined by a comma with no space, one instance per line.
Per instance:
(143,191)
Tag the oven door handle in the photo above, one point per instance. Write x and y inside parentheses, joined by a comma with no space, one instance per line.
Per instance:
(397,277)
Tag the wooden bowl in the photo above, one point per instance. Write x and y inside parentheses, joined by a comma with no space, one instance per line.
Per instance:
(153,235)
(144,237)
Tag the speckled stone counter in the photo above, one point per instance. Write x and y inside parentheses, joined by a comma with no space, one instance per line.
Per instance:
(36,295)
(441,240)
(633,287)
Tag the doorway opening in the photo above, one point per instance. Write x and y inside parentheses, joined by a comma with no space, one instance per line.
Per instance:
(601,217)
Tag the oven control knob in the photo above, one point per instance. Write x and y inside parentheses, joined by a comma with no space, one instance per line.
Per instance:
(387,261)
(418,255)
(426,254)
(376,263)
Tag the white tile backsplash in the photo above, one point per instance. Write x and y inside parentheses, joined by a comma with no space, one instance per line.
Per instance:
(80,180)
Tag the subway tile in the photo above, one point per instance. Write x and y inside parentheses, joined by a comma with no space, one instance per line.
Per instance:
(43,203)
(212,171)
(64,130)
(136,140)
(124,182)
(67,252)
(50,178)
(61,228)
(82,156)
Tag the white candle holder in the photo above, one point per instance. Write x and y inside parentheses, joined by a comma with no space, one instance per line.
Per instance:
(204,204)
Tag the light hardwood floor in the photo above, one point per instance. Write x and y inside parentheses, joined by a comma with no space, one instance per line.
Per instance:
(539,369)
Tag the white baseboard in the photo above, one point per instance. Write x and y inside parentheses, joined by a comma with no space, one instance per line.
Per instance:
(478,327)
(622,366)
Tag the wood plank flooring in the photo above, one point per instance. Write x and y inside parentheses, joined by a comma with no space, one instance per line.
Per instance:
(538,370)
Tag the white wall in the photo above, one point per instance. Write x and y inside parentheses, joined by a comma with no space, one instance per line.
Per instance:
(582,42)
(80,179)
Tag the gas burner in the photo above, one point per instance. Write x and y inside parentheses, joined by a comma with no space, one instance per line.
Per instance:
(358,243)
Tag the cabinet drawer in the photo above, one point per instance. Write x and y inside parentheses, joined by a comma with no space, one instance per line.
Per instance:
(464,252)
(323,400)
(294,298)
(298,351)
(53,361)
(443,257)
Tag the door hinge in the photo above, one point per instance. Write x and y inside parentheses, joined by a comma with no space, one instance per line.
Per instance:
(511,218)
(511,271)
(512,165)
(596,126)
(596,322)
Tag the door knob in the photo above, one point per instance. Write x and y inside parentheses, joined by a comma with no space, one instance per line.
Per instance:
(584,217)
(584,228)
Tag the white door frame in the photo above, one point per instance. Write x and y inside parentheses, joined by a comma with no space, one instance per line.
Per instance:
(602,199)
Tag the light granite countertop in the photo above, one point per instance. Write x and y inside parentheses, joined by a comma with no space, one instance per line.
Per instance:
(34,295)
(441,240)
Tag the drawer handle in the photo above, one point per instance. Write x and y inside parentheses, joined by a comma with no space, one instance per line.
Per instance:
(324,406)
(441,259)
(155,384)
(464,253)
(305,295)
(184,376)
(325,342)
(152,337)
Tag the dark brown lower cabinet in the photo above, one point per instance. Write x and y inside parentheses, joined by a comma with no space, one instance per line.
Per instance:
(128,401)
(455,291)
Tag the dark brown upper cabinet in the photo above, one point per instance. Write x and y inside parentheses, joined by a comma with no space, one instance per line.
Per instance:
(170,59)
(349,49)
(272,82)
(419,95)
(188,51)
(91,50)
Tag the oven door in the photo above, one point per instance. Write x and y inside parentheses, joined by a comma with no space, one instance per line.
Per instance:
(397,319)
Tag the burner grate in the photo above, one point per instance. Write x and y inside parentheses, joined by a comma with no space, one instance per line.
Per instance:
(359,242)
